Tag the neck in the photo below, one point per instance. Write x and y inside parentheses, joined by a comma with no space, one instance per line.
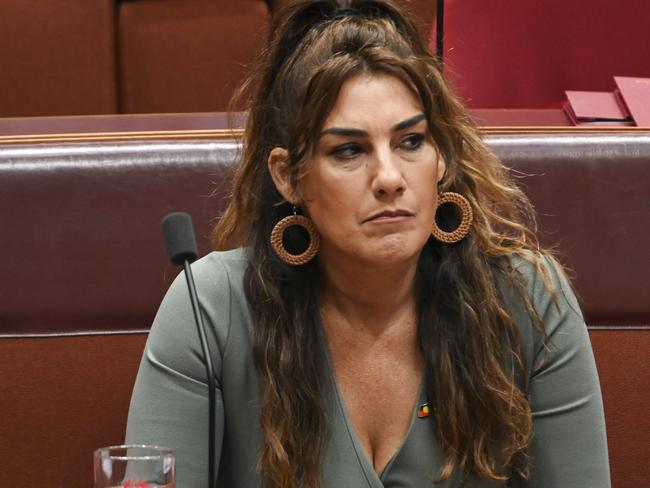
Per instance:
(368,298)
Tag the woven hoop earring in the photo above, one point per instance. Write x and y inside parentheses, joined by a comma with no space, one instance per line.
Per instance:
(278,233)
(465,222)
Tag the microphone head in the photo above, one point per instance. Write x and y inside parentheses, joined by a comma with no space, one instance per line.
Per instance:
(179,237)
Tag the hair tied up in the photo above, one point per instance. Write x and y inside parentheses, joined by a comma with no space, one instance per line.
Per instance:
(343,12)
(368,9)
(302,18)
(307,15)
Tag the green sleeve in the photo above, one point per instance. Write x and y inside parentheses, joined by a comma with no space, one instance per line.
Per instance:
(569,447)
(169,406)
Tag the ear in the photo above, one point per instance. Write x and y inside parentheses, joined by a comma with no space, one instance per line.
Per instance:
(442,167)
(280,171)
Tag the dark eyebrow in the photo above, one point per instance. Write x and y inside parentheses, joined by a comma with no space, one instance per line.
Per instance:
(405,124)
(348,132)
(343,131)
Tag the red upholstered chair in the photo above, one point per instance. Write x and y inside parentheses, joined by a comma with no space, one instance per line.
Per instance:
(57,58)
(75,57)
(190,55)
(511,54)
(186,55)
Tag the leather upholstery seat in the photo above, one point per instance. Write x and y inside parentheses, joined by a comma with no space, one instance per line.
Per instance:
(84,269)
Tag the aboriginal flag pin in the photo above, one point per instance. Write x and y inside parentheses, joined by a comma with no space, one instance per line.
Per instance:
(423,411)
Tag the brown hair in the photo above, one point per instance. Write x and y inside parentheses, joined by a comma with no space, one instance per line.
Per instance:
(469,342)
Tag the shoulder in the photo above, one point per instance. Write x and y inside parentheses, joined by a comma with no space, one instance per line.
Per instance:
(217,275)
(540,300)
(173,340)
(220,268)
(219,280)
(546,283)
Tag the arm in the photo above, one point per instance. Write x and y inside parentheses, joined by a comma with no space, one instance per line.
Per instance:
(169,405)
(569,447)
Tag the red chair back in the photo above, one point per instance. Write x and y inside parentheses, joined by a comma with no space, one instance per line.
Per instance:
(524,54)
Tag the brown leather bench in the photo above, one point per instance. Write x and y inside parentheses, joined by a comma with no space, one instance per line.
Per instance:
(84,269)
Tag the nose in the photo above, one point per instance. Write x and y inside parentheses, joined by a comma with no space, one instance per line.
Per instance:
(387,178)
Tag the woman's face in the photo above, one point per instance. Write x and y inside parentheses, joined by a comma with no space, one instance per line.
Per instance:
(370,188)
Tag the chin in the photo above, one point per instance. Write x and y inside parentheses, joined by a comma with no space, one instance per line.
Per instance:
(394,249)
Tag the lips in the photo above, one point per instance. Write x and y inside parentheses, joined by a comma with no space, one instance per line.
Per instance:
(389,214)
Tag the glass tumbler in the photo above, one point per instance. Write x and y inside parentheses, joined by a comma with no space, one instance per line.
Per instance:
(134,467)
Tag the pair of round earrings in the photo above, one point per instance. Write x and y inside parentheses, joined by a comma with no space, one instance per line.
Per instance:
(277,234)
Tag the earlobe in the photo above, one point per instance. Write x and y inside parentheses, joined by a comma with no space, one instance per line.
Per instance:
(280,171)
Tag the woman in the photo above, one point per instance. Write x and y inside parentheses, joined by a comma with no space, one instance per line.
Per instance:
(390,320)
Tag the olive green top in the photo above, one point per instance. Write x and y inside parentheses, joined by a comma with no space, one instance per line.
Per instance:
(169,406)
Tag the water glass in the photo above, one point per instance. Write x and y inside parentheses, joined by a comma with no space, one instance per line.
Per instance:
(134,467)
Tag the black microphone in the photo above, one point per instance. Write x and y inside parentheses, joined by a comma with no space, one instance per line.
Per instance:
(440,27)
(181,247)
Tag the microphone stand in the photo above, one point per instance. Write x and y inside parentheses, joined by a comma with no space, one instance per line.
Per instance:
(182,250)
(209,370)
(440,26)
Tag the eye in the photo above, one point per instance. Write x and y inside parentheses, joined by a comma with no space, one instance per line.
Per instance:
(412,142)
(347,151)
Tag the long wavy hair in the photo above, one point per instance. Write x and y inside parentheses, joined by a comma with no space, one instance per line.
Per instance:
(471,348)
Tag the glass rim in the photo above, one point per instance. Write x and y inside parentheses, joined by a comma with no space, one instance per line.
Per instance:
(157,452)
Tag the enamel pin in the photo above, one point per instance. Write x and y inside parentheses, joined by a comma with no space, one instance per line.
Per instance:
(423,411)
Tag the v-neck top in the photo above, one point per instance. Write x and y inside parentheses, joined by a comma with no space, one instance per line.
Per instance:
(169,403)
